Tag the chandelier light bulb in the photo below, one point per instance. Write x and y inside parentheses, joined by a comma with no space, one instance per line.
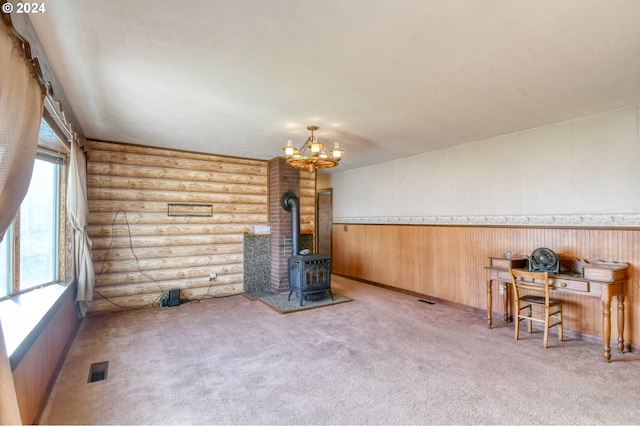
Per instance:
(315,146)
(337,152)
(288,151)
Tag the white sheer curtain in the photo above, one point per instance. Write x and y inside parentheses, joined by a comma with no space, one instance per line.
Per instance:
(21,103)
(78,211)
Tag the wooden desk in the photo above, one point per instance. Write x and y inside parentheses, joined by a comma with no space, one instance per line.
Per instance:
(570,284)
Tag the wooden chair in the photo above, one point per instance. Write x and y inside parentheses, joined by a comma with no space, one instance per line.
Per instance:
(531,302)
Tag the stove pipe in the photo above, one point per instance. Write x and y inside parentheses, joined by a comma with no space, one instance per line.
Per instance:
(290,203)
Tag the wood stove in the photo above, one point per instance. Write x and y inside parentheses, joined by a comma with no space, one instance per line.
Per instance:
(309,274)
(310,277)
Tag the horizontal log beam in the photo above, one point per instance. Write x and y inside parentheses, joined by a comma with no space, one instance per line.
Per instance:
(177,163)
(124,170)
(161,152)
(173,196)
(134,289)
(118,279)
(153,299)
(164,241)
(202,293)
(119,254)
(150,265)
(96,231)
(163,219)
(127,183)
(99,206)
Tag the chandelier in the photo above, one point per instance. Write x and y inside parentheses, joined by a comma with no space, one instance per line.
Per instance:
(313,154)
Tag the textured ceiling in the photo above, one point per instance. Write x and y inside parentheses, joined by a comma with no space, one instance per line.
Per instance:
(386,78)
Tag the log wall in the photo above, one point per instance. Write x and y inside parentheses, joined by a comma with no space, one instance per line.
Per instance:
(140,252)
(307,202)
(447,262)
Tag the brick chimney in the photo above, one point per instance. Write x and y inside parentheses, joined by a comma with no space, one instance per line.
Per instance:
(282,178)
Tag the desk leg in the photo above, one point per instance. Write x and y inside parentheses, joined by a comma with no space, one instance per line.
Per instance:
(606,328)
(505,301)
(621,322)
(489,303)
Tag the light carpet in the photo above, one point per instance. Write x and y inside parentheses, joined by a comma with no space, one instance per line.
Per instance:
(385,358)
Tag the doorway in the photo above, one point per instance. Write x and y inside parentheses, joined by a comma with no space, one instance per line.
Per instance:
(324,221)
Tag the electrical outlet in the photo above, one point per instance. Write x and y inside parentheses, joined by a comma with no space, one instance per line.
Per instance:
(212,276)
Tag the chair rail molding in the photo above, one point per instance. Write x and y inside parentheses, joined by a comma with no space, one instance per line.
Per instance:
(577,220)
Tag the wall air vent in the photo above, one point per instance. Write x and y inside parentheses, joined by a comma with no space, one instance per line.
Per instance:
(189,210)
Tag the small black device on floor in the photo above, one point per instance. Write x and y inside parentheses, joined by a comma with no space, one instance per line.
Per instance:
(174,297)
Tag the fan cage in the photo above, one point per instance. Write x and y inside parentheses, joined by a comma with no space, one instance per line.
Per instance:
(544,260)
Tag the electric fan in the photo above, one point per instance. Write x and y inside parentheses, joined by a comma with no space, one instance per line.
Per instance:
(544,260)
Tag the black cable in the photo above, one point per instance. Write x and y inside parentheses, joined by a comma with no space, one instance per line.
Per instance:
(164,297)
(208,297)
(156,303)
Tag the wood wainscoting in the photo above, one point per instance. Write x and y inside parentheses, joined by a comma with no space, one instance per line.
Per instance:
(447,262)
(35,371)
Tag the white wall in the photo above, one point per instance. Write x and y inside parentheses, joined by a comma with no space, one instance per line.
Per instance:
(575,171)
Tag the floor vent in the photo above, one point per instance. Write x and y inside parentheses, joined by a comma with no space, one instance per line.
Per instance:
(429,302)
(98,372)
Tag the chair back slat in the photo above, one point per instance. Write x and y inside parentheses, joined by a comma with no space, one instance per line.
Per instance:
(530,283)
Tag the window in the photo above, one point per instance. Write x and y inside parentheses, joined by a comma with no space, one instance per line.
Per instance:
(6,263)
(30,250)
(39,221)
